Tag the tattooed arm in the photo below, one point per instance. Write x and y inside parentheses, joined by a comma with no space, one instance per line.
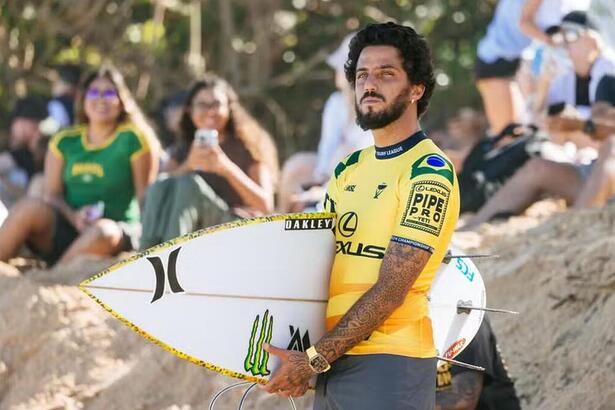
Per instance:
(463,392)
(400,267)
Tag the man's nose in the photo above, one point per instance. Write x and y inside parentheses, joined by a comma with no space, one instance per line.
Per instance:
(370,83)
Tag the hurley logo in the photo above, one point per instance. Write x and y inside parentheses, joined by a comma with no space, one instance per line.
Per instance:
(171,274)
(349,188)
(380,189)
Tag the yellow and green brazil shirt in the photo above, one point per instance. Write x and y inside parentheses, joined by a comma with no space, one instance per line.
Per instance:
(406,193)
(94,173)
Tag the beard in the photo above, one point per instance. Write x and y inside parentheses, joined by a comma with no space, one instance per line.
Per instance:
(374,120)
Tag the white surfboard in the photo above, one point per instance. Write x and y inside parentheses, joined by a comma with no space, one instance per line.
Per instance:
(215,296)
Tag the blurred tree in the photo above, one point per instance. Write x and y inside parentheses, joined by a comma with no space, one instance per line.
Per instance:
(272,51)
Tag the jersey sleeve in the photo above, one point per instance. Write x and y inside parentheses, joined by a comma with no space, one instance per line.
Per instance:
(137,143)
(425,194)
(58,143)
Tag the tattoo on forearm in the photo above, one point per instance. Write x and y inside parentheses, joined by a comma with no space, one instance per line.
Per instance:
(400,267)
(463,392)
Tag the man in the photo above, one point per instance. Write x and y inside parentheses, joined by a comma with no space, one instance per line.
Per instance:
(396,204)
(64,87)
(460,388)
(572,99)
(25,155)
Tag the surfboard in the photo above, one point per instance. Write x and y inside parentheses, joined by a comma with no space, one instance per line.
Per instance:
(213,297)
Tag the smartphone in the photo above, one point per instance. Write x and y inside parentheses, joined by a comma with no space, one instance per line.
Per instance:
(206,137)
(95,211)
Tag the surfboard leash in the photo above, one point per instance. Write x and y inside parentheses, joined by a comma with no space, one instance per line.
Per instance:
(243,397)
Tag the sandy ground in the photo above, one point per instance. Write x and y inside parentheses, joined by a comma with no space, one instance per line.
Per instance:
(59,350)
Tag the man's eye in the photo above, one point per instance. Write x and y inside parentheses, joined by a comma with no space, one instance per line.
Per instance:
(361,75)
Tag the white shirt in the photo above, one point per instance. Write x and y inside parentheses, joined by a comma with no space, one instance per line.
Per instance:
(563,87)
(340,136)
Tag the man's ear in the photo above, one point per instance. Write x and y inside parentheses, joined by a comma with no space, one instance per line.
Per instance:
(416,92)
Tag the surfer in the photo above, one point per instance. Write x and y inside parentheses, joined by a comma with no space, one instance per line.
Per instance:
(397,204)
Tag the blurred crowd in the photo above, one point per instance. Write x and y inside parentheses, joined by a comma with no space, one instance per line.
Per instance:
(84,172)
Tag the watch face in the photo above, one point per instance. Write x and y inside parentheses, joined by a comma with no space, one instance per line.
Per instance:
(319,364)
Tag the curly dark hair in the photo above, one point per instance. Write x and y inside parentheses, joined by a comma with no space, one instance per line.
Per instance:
(412,47)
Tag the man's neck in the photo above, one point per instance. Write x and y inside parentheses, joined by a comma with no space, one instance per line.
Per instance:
(398,130)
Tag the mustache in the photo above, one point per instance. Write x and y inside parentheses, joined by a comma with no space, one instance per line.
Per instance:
(372,94)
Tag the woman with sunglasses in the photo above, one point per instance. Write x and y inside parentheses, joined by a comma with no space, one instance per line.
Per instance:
(224,167)
(95,173)
(513,27)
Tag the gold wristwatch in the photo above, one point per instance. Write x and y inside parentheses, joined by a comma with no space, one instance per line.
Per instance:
(317,362)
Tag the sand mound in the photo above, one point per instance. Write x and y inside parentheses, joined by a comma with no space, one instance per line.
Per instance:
(59,350)
(560,276)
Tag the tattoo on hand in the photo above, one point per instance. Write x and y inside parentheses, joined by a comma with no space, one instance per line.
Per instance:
(401,265)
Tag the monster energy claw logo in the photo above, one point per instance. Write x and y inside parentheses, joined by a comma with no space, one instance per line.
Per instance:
(257,359)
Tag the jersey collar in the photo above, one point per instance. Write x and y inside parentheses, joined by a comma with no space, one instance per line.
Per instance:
(396,150)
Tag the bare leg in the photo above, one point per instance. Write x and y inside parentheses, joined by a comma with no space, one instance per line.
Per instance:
(600,185)
(297,170)
(536,178)
(29,220)
(104,238)
(502,100)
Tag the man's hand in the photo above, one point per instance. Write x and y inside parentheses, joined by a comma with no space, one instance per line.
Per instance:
(293,376)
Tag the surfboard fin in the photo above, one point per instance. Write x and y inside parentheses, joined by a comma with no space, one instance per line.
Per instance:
(449,256)
(461,364)
(466,307)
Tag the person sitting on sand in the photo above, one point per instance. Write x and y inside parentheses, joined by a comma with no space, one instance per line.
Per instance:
(23,160)
(94,175)
(580,185)
(211,182)
(460,388)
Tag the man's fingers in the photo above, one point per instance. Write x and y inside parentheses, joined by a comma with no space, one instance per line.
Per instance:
(276,351)
(271,386)
(299,391)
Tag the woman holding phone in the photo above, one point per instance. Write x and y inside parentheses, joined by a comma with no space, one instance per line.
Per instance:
(224,166)
(95,174)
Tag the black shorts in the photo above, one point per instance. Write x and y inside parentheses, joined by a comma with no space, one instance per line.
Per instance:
(64,234)
(500,68)
(377,381)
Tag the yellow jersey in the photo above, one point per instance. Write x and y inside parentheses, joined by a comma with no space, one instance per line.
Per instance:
(406,193)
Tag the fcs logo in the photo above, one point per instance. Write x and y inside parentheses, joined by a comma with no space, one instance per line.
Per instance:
(380,189)
(297,342)
(257,359)
(348,224)
(171,275)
